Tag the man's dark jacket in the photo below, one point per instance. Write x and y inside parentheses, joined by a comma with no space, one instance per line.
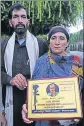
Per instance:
(19,65)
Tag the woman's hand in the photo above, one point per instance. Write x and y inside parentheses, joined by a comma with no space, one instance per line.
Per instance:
(24,115)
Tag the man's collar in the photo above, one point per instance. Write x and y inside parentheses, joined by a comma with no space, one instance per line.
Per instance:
(20,41)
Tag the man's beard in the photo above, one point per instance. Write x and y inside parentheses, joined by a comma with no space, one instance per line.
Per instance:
(20,29)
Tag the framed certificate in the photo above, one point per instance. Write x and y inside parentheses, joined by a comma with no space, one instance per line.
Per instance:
(57,98)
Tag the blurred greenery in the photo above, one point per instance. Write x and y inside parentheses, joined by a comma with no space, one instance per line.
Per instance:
(44,14)
(76,37)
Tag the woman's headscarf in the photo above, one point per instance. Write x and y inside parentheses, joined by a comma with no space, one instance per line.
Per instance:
(56,29)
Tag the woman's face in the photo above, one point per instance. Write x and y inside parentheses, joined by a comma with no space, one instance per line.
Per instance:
(58,43)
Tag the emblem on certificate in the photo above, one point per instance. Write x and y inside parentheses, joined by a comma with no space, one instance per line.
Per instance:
(57,98)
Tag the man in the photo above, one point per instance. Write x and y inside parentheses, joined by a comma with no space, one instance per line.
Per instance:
(52,90)
(19,55)
(2,116)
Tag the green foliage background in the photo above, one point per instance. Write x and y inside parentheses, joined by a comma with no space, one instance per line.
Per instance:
(46,13)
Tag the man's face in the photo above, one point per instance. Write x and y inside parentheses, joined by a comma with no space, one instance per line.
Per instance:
(19,21)
(52,89)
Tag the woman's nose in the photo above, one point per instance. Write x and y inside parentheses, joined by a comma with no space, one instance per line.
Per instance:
(57,41)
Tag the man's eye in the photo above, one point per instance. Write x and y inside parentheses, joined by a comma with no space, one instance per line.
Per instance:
(24,17)
(15,16)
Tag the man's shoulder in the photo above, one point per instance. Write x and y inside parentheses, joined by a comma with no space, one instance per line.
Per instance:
(40,39)
(49,94)
(41,42)
(43,58)
(53,95)
(4,42)
(43,47)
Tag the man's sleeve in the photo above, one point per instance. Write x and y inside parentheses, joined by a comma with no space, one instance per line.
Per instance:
(5,78)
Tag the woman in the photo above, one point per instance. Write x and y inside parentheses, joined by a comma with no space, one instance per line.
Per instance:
(56,63)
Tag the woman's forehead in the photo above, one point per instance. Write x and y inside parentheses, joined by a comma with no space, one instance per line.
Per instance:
(59,34)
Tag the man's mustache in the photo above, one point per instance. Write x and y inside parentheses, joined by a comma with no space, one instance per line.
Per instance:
(20,25)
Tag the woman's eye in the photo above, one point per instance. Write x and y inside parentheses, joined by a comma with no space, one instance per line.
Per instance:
(62,38)
(52,38)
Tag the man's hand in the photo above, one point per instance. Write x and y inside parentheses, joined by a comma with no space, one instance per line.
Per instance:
(19,81)
(24,114)
(3,120)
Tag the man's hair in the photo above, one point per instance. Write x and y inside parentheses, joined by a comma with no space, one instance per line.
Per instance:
(52,85)
(17,6)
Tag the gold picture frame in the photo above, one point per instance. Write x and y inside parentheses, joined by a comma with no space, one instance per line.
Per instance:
(56,98)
